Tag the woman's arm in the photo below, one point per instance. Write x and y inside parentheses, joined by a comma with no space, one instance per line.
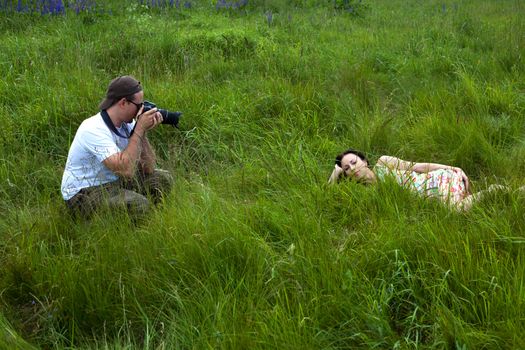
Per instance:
(399,164)
(395,163)
(335,174)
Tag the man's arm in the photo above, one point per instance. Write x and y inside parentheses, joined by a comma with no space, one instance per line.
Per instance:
(147,157)
(125,163)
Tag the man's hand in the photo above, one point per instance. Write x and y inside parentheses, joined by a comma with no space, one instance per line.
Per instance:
(148,120)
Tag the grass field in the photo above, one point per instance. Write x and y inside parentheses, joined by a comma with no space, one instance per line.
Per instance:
(252,249)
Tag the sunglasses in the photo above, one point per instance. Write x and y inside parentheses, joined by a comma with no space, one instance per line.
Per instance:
(138,105)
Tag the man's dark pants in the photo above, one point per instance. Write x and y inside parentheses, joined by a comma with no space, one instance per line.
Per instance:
(132,195)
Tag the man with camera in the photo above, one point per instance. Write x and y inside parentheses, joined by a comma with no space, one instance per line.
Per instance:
(111,161)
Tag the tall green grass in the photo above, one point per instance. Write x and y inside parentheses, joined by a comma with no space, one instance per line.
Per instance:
(252,249)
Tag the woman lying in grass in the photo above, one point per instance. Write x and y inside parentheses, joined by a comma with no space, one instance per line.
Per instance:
(447,183)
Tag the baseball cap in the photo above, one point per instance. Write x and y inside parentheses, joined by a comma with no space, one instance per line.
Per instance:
(118,88)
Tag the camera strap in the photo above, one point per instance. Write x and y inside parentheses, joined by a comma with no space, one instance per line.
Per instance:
(111,126)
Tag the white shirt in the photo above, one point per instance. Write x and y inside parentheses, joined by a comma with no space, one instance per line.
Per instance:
(93,143)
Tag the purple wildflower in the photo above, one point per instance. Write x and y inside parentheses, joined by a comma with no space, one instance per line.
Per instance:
(269,17)
(221,4)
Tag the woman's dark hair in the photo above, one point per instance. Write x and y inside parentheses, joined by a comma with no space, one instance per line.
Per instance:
(352,151)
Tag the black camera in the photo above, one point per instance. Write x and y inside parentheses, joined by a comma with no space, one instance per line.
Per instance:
(171,118)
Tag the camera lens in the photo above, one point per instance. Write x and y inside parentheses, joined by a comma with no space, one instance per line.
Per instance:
(171,118)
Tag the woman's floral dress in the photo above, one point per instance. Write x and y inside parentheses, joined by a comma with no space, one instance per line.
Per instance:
(444,184)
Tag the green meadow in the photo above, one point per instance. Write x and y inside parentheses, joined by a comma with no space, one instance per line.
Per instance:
(252,249)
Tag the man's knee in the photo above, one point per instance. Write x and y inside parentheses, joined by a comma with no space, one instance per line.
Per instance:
(159,183)
(164,179)
(135,203)
(110,196)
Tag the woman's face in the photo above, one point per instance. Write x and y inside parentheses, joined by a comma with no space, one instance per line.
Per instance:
(356,168)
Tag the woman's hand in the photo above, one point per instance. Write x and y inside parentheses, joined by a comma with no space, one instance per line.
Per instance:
(464,177)
(336,173)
